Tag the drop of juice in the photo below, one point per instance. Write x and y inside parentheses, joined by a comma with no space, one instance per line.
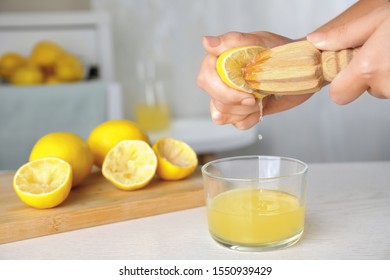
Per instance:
(260,137)
(260,103)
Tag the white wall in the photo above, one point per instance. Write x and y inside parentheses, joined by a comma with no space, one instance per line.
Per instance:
(170,32)
(43,5)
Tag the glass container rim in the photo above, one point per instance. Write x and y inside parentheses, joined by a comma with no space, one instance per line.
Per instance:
(206,165)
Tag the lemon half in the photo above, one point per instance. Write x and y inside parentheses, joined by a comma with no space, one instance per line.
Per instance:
(43,183)
(230,64)
(130,165)
(176,159)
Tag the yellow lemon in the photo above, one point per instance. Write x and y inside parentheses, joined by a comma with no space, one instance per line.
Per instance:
(68,68)
(176,159)
(52,80)
(69,147)
(43,183)
(106,135)
(27,75)
(229,67)
(9,63)
(45,53)
(130,165)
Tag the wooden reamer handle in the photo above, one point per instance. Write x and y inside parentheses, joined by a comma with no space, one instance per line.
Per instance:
(335,61)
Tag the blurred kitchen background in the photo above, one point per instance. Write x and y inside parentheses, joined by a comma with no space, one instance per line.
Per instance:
(159,42)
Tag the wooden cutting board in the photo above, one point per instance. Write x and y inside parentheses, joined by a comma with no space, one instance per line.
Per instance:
(93,203)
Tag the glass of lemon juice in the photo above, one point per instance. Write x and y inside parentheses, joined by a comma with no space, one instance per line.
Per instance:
(255,203)
(152,111)
(153,114)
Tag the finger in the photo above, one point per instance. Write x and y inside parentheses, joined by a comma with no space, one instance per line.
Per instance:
(248,122)
(275,103)
(235,109)
(348,35)
(216,116)
(380,89)
(368,70)
(377,71)
(221,118)
(349,84)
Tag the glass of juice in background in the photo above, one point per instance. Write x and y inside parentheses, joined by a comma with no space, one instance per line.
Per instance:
(255,203)
(152,111)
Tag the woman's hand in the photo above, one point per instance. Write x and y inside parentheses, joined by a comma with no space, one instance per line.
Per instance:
(229,106)
(369,69)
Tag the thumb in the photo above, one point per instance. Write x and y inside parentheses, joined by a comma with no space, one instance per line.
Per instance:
(216,45)
(348,35)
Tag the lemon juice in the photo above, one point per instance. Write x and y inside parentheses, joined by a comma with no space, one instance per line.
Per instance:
(153,116)
(255,217)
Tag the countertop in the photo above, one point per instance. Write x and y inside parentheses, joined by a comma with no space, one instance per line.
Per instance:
(348,210)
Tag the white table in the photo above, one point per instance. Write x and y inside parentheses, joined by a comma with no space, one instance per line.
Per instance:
(348,217)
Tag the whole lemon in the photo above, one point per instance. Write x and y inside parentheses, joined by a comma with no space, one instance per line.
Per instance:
(9,63)
(45,53)
(106,135)
(69,147)
(27,75)
(68,68)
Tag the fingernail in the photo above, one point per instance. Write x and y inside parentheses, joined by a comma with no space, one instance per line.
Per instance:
(215,115)
(212,41)
(248,101)
(317,38)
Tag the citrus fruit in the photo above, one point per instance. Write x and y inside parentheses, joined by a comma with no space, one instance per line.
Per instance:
(9,63)
(68,68)
(176,159)
(229,67)
(130,165)
(106,135)
(27,75)
(67,146)
(43,183)
(45,53)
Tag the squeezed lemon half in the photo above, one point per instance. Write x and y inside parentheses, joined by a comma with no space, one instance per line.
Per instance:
(43,183)
(176,159)
(130,165)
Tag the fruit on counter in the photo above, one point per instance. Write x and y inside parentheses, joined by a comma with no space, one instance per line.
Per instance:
(130,165)
(176,159)
(43,183)
(230,64)
(68,68)
(27,75)
(106,135)
(56,63)
(9,62)
(45,53)
(69,147)
(61,160)
(48,63)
